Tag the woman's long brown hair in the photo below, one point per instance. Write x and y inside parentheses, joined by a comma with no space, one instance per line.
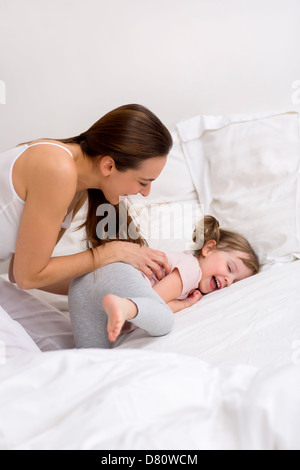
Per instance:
(130,135)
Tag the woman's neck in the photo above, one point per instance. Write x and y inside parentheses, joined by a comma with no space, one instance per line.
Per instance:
(88,176)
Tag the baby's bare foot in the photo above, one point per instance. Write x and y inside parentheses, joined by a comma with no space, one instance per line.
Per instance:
(118,311)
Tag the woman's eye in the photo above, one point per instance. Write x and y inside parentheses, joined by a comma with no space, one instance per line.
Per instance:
(144,185)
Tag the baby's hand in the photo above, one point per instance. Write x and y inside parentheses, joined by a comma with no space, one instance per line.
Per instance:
(193,298)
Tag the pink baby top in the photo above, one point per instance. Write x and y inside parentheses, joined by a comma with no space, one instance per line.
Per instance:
(189,271)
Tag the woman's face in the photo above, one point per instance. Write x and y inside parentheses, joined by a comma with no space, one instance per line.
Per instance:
(117,184)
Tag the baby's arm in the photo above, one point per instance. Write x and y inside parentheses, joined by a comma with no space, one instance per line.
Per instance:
(170,288)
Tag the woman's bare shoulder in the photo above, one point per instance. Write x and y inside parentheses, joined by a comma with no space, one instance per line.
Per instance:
(44,165)
(53,158)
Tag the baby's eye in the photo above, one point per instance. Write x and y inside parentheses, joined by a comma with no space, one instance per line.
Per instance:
(229,268)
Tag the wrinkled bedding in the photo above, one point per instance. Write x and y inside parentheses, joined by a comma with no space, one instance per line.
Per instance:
(118,399)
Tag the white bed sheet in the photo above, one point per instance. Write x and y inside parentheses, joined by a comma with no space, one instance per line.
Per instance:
(254,322)
(119,400)
(14,341)
(41,318)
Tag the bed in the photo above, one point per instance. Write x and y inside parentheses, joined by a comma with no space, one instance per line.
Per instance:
(228,376)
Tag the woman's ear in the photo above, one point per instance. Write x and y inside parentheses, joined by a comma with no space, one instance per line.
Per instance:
(106,165)
(209,247)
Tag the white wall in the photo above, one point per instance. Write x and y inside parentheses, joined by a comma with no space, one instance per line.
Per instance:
(67,62)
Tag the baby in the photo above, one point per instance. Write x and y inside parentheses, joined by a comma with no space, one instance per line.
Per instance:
(226,257)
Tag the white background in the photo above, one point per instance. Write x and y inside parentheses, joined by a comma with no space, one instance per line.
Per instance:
(67,62)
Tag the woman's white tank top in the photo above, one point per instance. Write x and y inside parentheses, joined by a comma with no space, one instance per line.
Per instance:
(11,205)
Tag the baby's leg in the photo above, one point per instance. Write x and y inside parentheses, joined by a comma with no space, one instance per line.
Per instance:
(88,316)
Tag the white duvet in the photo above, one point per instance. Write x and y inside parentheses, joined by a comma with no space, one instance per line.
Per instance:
(145,400)
(227,377)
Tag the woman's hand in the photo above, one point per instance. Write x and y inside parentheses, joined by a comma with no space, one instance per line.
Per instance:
(143,258)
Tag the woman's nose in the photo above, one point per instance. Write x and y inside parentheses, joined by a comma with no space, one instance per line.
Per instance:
(146,191)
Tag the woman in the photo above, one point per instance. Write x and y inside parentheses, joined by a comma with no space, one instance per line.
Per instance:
(44,184)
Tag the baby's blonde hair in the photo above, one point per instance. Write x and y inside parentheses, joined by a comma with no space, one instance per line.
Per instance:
(225,241)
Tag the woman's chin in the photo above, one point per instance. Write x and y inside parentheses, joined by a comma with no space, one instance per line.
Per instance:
(113,200)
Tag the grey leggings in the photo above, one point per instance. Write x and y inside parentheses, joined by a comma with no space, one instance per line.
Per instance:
(88,317)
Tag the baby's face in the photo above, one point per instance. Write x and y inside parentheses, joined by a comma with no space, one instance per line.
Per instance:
(221,269)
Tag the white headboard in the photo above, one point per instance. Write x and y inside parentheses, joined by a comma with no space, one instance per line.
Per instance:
(65,63)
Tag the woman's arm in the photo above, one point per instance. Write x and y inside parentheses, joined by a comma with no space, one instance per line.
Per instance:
(50,189)
(142,258)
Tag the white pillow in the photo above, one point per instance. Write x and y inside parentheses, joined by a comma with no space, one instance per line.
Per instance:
(246,173)
(175,182)
(168,226)
(167,217)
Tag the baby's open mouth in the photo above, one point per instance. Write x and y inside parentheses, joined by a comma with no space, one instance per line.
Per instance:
(215,283)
